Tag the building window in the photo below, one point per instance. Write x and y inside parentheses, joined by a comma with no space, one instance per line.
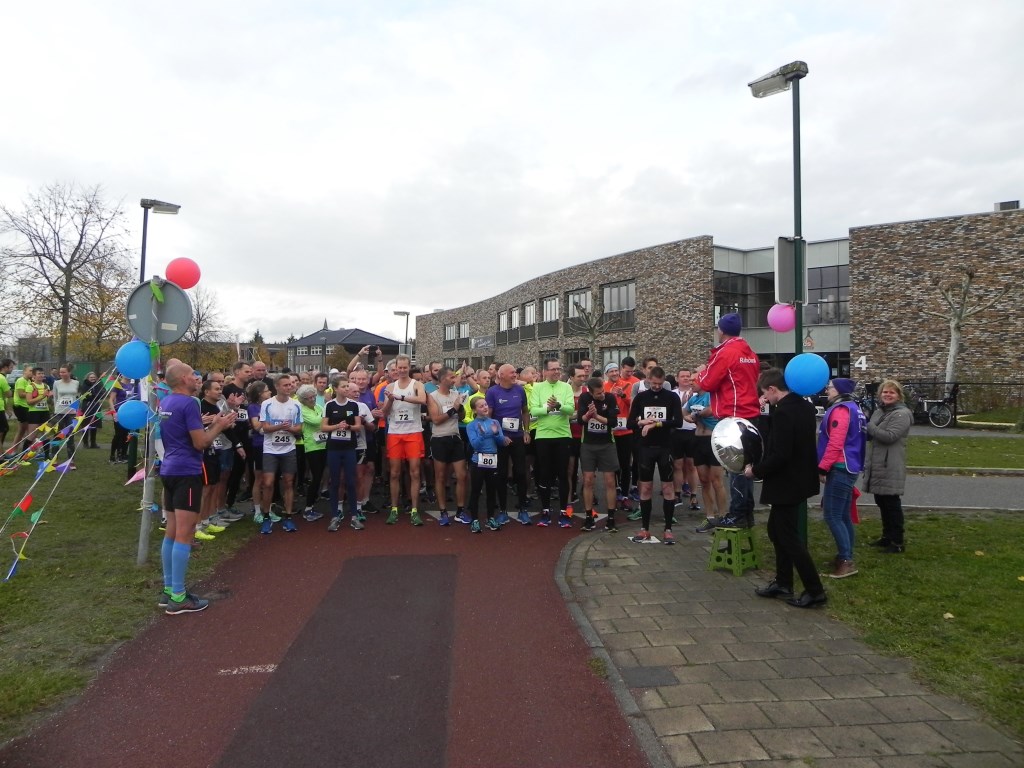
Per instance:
(530,313)
(502,322)
(301,351)
(330,349)
(575,357)
(578,301)
(514,313)
(828,295)
(548,354)
(449,332)
(464,330)
(616,354)
(549,309)
(316,351)
(750,296)
(450,362)
(620,304)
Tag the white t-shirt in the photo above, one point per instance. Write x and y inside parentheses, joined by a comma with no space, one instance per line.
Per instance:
(273,411)
(64,395)
(367,416)
(404,418)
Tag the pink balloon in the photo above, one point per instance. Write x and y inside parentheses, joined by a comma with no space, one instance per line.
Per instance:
(782,318)
(183,272)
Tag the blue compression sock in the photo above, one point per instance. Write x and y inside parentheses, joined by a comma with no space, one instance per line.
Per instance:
(179,564)
(165,560)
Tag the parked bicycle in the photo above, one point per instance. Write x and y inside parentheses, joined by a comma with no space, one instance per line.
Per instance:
(937,412)
(866,396)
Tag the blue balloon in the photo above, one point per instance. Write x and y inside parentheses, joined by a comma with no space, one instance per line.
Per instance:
(807,374)
(133,414)
(133,360)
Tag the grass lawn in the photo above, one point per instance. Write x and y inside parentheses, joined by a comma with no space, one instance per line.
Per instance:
(1005,415)
(79,593)
(953,603)
(954,451)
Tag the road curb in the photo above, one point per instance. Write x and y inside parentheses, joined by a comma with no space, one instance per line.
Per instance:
(638,723)
(1010,472)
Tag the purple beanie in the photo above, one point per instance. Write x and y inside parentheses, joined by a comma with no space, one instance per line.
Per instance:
(730,324)
(844,386)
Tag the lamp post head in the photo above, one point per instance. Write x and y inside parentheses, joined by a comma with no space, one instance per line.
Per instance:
(401,313)
(778,80)
(159,206)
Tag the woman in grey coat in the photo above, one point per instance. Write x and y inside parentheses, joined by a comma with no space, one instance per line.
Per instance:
(885,468)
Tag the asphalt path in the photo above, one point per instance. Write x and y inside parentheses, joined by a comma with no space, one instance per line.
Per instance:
(314,653)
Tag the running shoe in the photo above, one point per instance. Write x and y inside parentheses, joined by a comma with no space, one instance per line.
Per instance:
(268,526)
(445,519)
(360,517)
(163,599)
(190,604)
(568,511)
(502,518)
(609,525)
(356,525)
(212,527)
(275,517)
(392,516)
(369,506)
(524,517)
(462,516)
(230,515)
(544,520)
(414,517)
(707,526)
(588,522)
(204,536)
(634,493)
(635,515)
(492,524)
(668,538)
(288,526)
(564,521)
(311,515)
(642,537)
(475,527)
(335,524)
(686,490)
(257,518)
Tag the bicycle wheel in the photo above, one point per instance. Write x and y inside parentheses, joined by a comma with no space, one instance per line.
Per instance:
(940,415)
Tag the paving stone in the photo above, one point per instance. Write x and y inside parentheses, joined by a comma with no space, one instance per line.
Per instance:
(801,668)
(915,738)
(667,655)
(743,690)
(656,598)
(721,620)
(606,601)
(981,760)
(676,720)
(706,654)
(699,673)
(796,689)
(912,761)
(794,649)
(673,621)
(890,664)
(979,737)
(688,607)
(621,641)
(638,624)
(846,665)
(952,708)
(795,714)
(649,698)
(792,743)
(714,635)
(614,612)
(723,746)
(685,694)
(801,631)
(603,626)
(752,651)
(644,610)
(648,677)
(848,687)
(894,683)
(682,752)
(758,634)
(730,716)
(853,741)
(730,607)
(624,589)
(906,709)
(851,711)
(591,591)
(669,637)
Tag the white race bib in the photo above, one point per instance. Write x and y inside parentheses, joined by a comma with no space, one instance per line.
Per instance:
(241,414)
(320,437)
(341,434)
(487,460)
(511,424)
(620,423)
(596,426)
(656,413)
(221,443)
(65,400)
(281,438)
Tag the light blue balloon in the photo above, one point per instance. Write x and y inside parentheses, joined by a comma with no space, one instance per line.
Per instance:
(133,360)
(133,414)
(807,374)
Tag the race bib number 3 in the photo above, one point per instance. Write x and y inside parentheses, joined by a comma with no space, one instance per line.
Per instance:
(620,422)
(650,412)
(512,425)
(487,460)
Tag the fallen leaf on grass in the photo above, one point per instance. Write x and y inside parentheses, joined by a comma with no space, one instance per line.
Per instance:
(1020,578)
(979,553)
(947,616)
(935,442)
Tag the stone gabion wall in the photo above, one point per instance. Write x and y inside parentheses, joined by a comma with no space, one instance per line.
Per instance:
(674,294)
(895,274)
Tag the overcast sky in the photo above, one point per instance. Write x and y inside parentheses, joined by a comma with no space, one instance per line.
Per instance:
(348,159)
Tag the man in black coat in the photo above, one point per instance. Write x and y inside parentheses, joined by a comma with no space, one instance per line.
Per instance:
(789,469)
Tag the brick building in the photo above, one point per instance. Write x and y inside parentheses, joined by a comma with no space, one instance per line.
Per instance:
(866,297)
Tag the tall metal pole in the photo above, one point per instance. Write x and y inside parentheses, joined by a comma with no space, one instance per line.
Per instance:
(145,226)
(798,239)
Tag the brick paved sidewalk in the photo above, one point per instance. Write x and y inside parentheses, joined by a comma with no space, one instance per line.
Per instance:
(709,673)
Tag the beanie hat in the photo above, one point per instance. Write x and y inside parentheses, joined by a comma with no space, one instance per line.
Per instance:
(611,367)
(730,324)
(844,386)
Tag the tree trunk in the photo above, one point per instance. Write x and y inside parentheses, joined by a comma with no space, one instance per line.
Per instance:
(955,332)
(65,318)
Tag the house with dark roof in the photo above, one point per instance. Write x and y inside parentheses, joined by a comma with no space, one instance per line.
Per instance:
(313,351)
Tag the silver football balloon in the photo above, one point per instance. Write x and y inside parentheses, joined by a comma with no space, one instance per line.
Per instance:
(736,443)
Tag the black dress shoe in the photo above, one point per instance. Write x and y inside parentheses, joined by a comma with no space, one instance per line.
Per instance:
(893,549)
(773,589)
(882,542)
(807,600)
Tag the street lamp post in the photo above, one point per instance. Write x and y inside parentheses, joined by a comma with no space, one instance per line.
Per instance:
(768,85)
(776,82)
(401,313)
(323,354)
(148,483)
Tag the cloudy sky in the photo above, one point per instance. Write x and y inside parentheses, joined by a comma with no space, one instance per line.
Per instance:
(347,159)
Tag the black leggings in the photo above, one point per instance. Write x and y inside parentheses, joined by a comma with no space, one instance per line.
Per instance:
(317,462)
(487,479)
(552,463)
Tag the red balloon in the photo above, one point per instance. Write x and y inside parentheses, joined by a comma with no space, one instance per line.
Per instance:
(183,272)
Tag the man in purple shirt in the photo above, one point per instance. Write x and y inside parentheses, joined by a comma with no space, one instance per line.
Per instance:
(181,473)
(509,407)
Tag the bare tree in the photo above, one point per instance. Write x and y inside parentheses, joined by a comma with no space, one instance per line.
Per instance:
(61,231)
(958,310)
(206,340)
(592,324)
(99,320)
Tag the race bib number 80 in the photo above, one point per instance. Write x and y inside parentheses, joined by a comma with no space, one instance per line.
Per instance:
(487,460)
